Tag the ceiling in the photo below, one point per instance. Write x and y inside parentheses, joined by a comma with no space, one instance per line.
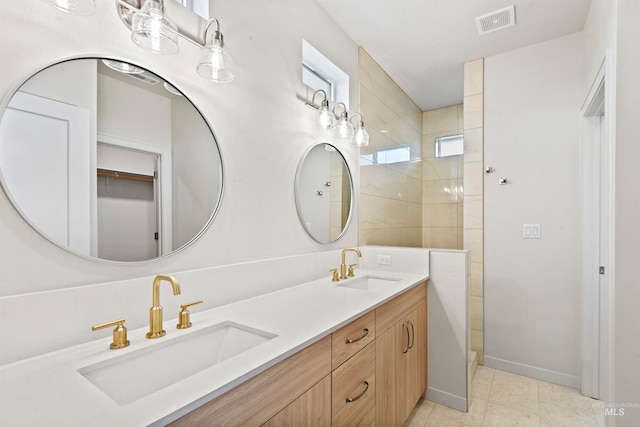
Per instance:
(423,44)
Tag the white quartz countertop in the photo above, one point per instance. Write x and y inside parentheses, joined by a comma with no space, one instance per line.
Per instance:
(49,390)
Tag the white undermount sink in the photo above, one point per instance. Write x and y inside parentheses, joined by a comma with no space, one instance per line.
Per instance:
(132,376)
(368,283)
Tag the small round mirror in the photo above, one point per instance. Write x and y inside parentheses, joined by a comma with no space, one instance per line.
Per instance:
(324,193)
(108,160)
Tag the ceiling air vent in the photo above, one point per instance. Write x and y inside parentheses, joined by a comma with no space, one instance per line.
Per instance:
(497,20)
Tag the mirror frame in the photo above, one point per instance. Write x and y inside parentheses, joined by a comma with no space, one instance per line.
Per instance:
(16,88)
(297,189)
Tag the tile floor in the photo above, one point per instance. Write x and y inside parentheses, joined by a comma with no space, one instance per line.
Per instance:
(503,399)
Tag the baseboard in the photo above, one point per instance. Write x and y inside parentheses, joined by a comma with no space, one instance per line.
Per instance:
(570,381)
(446,399)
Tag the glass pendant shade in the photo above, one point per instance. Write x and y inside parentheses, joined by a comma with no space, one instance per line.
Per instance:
(152,31)
(361,136)
(215,62)
(325,118)
(75,7)
(344,127)
(122,67)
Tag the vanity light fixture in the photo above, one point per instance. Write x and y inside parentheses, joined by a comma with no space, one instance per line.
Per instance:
(214,60)
(360,136)
(324,117)
(344,127)
(75,7)
(151,30)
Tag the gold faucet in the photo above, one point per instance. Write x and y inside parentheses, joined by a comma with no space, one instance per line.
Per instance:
(155,313)
(343,266)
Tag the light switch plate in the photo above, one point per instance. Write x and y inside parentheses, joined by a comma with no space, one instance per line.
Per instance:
(531,231)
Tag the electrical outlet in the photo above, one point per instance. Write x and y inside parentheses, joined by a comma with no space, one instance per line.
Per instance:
(531,231)
(384,259)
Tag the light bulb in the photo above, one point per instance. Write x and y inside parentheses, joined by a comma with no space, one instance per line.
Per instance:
(361,137)
(215,63)
(344,128)
(152,31)
(325,118)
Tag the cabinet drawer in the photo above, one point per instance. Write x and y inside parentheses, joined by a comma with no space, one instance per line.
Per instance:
(354,388)
(394,310)
(258,399)
(351,338)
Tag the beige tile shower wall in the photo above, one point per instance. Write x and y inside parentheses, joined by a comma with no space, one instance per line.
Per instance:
(390,209)
(442,181)
(473,195)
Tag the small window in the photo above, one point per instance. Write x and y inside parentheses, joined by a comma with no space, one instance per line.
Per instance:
(452,145)
(387,156)
(393,155)
(318,72)
(317,81)
(199,7)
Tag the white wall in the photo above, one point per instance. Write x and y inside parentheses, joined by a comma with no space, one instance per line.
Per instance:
(260,121)
(146,117)
(627,213)
(532,287)
(196,179)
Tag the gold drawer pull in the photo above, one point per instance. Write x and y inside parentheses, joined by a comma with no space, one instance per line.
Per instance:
(351,341)
(366,387)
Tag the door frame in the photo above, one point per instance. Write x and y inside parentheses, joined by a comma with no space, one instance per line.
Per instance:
(597,187)
(163,181)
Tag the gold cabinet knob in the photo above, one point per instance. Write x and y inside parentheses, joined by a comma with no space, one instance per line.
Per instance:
(119,333)
(336,276)
(184,321)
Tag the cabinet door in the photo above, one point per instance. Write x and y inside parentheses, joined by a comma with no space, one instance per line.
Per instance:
(309,410)
(390,375)
(416,357)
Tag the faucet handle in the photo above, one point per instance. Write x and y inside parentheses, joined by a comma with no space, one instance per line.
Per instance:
(350,273)
(184,321)
(119,333)
(335,276)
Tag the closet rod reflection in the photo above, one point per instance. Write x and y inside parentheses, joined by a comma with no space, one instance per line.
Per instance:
(125,175)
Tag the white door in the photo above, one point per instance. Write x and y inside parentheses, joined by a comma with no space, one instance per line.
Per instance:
(44,152)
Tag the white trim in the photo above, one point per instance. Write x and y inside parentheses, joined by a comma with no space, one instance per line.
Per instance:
(598,172)
(166,185)
(609,170)
(555,377)
(590,159)
(458,403)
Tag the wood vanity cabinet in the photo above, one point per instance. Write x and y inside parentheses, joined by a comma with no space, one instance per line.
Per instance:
(258,399)
(370,372)
(401,356)
(311,409)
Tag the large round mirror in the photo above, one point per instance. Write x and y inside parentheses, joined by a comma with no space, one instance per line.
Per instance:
(324,193)
(108,160)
